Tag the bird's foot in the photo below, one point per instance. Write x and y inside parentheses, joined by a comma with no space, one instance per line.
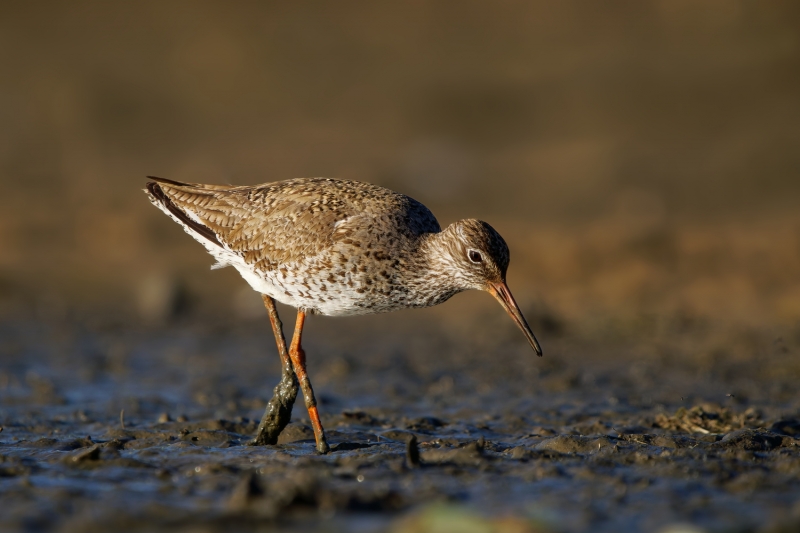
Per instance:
(322,446)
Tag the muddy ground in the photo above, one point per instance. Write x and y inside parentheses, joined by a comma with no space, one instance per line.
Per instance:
(640,159)
(690,424)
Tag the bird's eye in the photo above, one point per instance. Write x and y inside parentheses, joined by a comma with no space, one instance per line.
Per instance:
(474,256)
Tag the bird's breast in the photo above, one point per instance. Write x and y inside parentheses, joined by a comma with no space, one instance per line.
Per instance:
(351,279)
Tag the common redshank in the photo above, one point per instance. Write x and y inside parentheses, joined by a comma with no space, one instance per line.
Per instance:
(337,248)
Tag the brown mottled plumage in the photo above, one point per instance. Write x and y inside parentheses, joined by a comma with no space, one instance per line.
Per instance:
(338,248)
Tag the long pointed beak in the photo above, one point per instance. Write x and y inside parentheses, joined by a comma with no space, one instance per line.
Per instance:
(500,291)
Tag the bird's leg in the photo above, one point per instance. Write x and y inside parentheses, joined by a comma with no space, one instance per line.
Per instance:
(279,408)
(299,361)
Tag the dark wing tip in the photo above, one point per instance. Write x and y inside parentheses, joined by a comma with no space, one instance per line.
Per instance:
(166,181)
(158,193)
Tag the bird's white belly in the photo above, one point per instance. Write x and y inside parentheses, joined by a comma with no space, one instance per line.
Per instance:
(315,293)
(310,292)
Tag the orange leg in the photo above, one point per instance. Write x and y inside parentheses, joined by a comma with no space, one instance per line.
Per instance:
(298,356)
(279,408)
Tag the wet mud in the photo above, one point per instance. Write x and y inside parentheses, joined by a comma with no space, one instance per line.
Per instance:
(107,426)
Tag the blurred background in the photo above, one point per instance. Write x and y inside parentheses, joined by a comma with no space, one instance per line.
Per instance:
(642,159)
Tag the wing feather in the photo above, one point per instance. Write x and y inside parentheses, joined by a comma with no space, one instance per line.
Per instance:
(267,225)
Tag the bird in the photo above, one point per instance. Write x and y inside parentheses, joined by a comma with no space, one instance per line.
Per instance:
(337,248)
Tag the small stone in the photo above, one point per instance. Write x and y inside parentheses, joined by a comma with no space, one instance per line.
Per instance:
(83,456)
(412,452)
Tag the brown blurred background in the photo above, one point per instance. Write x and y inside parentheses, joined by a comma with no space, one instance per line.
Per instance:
(642,159)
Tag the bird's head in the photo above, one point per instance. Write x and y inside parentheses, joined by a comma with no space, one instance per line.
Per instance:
(477,258)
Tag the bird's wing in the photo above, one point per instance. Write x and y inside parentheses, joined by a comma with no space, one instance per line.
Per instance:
(267,225)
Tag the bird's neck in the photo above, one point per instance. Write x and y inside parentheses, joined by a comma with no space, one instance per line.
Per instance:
(437,263)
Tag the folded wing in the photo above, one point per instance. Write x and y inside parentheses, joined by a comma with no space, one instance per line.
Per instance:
(266,225)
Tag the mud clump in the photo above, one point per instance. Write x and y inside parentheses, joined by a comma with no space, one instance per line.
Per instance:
(708,418)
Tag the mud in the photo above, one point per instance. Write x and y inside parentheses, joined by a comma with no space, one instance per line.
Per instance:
(109,426)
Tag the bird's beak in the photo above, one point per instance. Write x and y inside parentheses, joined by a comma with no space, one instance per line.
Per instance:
(500,291)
